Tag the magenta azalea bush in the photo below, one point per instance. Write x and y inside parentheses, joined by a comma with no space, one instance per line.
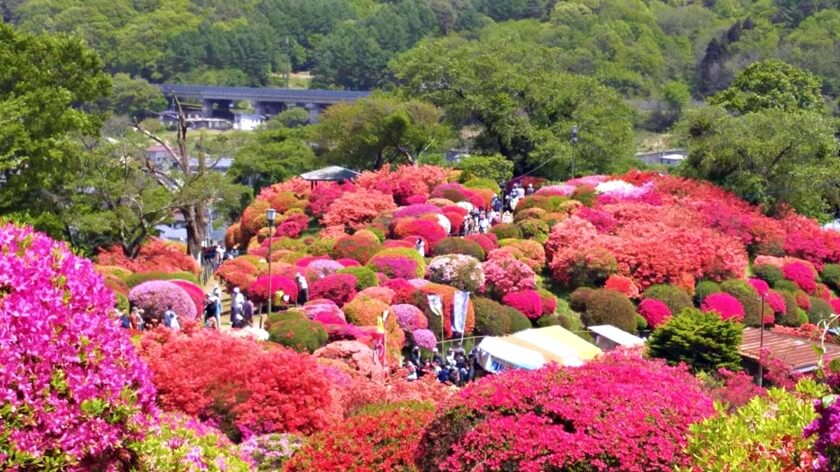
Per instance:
(654,312)
(73,393)
(526,301)
(725,305)
(802,274)
(826,428)
(157,295)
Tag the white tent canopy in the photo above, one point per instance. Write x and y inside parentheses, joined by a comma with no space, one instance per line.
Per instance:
(616,336)
(533,348)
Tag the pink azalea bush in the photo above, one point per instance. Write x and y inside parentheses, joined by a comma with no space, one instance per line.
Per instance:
(617,413)
(156,296)
(424,338)
(456,270)
(654,312)
(73,391)
(801,274)
(505,274)
(409,317)
(338,288)
(725,305)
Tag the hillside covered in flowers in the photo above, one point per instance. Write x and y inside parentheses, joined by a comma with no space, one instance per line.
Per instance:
(652,254)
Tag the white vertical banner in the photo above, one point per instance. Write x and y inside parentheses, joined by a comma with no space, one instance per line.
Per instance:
(459,311)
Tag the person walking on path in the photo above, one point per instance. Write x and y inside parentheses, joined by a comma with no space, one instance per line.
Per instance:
(303,289)
(420,245)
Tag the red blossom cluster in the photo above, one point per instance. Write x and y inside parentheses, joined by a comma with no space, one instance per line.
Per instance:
(156,255)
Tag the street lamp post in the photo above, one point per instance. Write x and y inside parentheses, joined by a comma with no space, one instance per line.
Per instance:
(761,345)
(270,215)
(574,147)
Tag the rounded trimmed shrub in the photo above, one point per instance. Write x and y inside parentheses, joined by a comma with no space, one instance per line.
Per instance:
(791,315)
(534,229)
(820,310)
(74,394)
(365,277)
(830,275)
(136,279)
(294,330)
(528,302)
(339,288)
(361,246)
(768,273)
(573,418)
(786,285)
(727,307)
(398,263)
(749,299)
(453,245)
(194,291)
(506,231)
(491,318)
(705,288)
(676,298)
(456,270)
(518,321)
(409,317)
(578,298)
(654,312)
(608,307)
(156,296)
(258,291)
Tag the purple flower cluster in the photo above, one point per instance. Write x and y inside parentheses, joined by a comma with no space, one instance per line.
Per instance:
(71,385)
(270,451)
(157,295)
(826,427)
(424,338)
(409,317)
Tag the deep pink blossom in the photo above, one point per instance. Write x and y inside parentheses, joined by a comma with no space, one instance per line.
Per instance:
(654,312)
(725,305)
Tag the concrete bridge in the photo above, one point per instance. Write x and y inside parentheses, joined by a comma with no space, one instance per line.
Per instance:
(218,101)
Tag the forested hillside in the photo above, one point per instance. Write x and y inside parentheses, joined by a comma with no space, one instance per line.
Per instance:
(646,49)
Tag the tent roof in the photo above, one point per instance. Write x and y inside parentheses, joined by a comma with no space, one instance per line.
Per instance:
(532,348)
(331,173)
(616,335)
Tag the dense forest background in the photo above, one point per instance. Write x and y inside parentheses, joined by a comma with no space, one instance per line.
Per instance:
(646,49)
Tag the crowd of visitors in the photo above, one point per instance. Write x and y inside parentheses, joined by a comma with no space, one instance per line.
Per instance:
(456,368)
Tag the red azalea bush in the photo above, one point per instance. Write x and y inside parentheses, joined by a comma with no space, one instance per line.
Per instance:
(74,394)
(292,226)
(238,383)
(526,301)
(403,290)
(623,285)
(156,296)
(339,288)
(156,255)
(258,291)
(617,413)
(429,230)
(801,274)
(725,305)
(239,272)
(404,181)
(503,275)
(654,312)
(357,209)
(328,192)
(381,437)
(486,241)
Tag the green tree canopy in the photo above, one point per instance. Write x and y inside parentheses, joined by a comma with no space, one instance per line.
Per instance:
(771,84)
(702,340)
(271,155)
(134,97)
(47,86)
(769,157)
(524,106)
(371,132)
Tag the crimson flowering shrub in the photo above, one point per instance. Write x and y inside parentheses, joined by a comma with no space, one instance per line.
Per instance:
(155,255)
(733,389)
(603,221)
(239,272)
(806,240)
(258,291)
(801,274)
(403,263)
(357,209)
(381,437)
(239,384)
(403,290)
(430,230)
(617,413)
(526,301)
(194,291)
(292,225)
(409,317)
(338,288)
(724,305)
(454,192)
(404,181)
(486,241)
(328,192)
(654,312)
(74,395)
(503,275)
(549,302)
(156,296)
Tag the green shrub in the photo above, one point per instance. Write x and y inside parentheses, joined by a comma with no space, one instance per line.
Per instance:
(491,318)
(136,279)
(704,289)
(745,293)
(321,246)
(830,276)
(585,194)
(289,244)
(295,331)
(365,277)
(611,308)
(534,229)
(820,310)
(577,300)
(506,230)
(494,167)
(768,273)
(641,323)
(802,315)
(702,340)
(791,315)
(787,285)
(676,298)
(121,302)
(548,320)
(518,321)
(454,245)
(478,182)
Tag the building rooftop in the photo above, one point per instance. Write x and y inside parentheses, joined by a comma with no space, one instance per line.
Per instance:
(331,173)
(800,354)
